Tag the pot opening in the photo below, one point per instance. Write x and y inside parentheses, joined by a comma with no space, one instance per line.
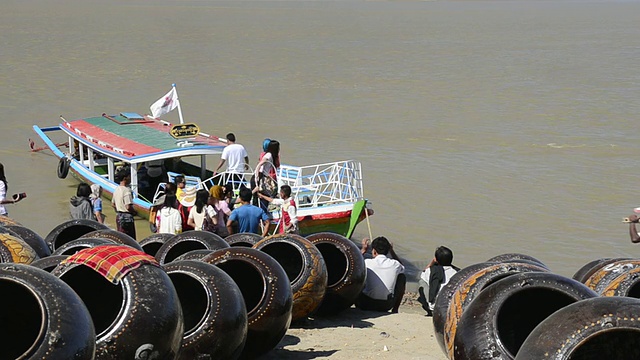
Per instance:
(249,279)
(193,299)
(71,233)
(614,344)
(103,299)
(242,244)
(336,261)
(24,314)
(181,248)
(523,311)
(634,291)
(288,256)
(152,248)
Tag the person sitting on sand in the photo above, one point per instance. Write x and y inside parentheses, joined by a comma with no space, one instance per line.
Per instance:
(434,277)
(386,281)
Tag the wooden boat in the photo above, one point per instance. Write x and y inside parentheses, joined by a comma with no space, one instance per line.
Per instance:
(329,196)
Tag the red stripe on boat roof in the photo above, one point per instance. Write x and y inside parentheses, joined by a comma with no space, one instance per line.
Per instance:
(109,141)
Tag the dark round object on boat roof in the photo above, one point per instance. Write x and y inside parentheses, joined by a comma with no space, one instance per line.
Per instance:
(194,254)
(600,280)
(591,329)
(34,240)
(115,236)
(305,268)
(15,250)
(42,317)
(626,284)
(591,267)
(215,316)
(462,288)
(243,239)
(510,257)
(5,220)
(152,243)
(266,292)
(346,271)
(71,230)
(132,301)
(63,167)
(74,246)
(187,241)
(499,319)
(49,263)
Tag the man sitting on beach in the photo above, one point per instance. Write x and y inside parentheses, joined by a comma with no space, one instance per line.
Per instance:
(386,281)
(434,277)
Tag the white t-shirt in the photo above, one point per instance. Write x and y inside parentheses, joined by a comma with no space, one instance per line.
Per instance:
(234,155)
(198,218)
(448,273)
(382,273)
(3,195)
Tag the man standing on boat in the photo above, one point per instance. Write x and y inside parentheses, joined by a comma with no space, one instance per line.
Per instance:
(122,202)
(234,154)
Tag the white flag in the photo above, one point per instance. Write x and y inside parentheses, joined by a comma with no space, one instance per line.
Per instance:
(165,104)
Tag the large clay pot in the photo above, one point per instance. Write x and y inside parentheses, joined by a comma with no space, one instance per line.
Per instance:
(15,250)
(5,220)
(462,288)
(601,278)
(305,268)
(266,292)
(132,301)
(70,230)
(152,243)
(346,271)
(187,241)
(30,237)
(49,263)
(42,317)
(626,284)
(74,246)
(243,239)
(511,257)
(499,319)
(215,316)
(592,329)
(115,236)
(194,255)
(591,267)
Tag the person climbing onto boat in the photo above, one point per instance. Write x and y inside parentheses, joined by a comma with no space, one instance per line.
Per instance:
(96,202)
(4,186)
(236,157)
(288,218)
(80,206)
(248,217)
(265,173)
(385,281)
(168,219)
(434,277)
(122,202)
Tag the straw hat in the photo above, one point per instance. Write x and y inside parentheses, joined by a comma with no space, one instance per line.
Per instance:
(217,192)
(187,197)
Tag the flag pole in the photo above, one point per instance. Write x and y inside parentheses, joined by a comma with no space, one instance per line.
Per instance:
(179,108)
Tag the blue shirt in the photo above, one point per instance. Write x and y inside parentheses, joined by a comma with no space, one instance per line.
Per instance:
(248,218)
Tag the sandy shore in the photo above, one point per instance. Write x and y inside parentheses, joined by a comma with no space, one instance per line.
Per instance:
(356,334)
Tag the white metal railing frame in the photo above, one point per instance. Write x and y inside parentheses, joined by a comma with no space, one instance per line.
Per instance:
(323,184)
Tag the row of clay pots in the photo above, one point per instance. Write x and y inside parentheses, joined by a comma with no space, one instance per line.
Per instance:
(280,279)
(513,307)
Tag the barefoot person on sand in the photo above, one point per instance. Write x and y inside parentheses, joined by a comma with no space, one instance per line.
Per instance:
(386,281)
(434,277)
